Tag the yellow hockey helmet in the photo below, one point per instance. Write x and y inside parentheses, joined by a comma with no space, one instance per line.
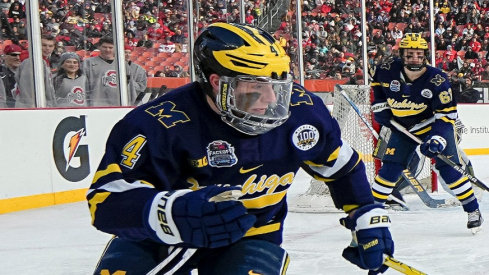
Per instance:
(235,49)
(254,81)
(413,41)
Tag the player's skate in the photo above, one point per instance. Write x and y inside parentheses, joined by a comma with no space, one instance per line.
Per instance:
(475,221)
(396,202)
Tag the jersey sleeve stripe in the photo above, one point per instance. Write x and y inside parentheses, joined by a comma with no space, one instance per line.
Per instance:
(120,186)
(112,168)
(344,156)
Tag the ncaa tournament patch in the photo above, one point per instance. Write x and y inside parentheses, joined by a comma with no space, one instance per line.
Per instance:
(221,154)
(426,93)
(305,137)
(395,86)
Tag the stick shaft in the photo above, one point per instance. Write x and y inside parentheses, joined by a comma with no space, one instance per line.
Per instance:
(442,157)
(401,267)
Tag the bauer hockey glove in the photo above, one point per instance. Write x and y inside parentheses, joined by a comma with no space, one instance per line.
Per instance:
(209,217)
(371,238)
(433,146)
(382,114)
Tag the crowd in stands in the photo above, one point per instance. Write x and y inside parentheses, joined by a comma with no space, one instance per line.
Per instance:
(156,38)
(156,32)
(332,34)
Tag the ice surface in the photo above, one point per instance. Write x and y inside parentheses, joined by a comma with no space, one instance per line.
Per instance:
(61,240)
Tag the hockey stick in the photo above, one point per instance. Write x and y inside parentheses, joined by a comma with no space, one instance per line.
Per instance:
(413,182)
(391,262)
(442,157)
(421,192)
(401,267)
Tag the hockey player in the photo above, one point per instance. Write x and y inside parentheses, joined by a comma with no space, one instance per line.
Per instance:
(419,97)
(166,183)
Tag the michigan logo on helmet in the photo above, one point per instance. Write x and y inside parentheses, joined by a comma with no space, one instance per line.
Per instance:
(413,41)
(235,49)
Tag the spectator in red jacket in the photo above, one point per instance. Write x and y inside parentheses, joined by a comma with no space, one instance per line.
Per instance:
(450,53)
(475,45)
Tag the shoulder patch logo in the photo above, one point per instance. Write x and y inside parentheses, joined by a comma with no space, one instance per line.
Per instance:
(395,86)
(221,154)
(426,93)
(305,137)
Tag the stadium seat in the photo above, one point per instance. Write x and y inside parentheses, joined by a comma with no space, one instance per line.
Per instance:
(70,48)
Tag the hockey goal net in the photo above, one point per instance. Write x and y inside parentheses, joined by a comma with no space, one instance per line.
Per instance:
(358,136)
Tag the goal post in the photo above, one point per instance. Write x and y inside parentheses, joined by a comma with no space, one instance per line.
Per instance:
(359,137)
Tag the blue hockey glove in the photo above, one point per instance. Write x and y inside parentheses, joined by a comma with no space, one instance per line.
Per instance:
(204,221)
(371,238)
(382,114)
(433,146)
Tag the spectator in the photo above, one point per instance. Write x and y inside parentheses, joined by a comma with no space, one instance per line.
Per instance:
(159,74)
(25,97)
(48,43)
(101,73)
(338,76)
(470,54)
(178,37)
(180,72)
(145,42)
(475,45)
(10,66)
(70,82)
(396,33)
(16,10)
(468,94)
(485,73)
(138,73)
(450,53)
(93,32)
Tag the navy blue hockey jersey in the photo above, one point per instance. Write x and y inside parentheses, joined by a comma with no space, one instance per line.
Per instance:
(418,104)
(178,142)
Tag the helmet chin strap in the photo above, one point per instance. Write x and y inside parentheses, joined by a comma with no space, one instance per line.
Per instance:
(414,68)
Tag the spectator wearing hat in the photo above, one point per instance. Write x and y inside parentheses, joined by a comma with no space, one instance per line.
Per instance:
(470,54)
(138,73)
(10,66)
(70,83)
(16,10)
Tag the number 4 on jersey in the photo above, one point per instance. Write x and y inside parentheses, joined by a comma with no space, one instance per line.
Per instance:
(130,152)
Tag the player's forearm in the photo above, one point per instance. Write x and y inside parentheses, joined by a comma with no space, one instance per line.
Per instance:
(121,212)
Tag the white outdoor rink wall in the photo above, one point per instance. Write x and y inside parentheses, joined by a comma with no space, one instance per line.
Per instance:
(31,139)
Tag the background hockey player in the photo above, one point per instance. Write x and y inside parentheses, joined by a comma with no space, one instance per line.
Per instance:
(166,183)
(419,97)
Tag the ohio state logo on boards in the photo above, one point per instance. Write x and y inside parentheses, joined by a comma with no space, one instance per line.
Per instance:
(70,155)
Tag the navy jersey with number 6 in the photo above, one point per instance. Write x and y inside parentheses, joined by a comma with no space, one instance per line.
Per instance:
(179,142)
(415,105)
